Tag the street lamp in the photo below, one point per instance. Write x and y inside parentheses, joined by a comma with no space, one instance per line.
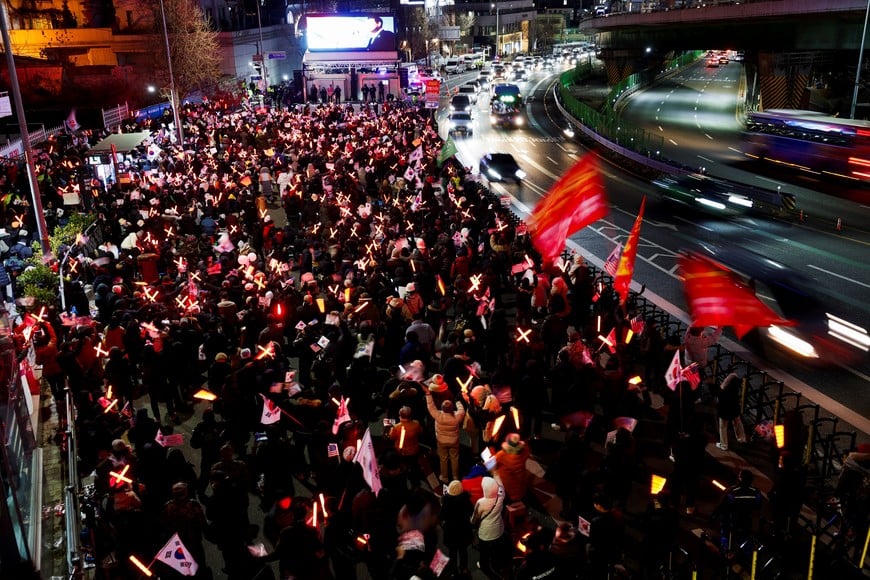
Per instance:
(173,95)
(35,196)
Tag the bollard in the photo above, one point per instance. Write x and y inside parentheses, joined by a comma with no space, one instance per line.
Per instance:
(839,224)
(801,216)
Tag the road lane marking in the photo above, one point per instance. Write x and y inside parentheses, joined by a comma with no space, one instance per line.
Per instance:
(846,278)
(554,162)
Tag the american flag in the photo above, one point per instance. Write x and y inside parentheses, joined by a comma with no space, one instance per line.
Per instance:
(692,375)
(637,324)
(612,260)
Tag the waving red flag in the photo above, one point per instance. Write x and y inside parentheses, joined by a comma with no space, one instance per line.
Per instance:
(625,269)
(574,202)
(716,297)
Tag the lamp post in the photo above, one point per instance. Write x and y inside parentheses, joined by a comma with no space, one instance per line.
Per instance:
(173,95)
(35,197)
(860,62)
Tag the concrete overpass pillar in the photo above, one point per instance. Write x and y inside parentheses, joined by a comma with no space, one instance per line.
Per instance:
(619,64)
(783,79)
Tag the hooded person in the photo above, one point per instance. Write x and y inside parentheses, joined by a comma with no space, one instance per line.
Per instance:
(510,466)
(487,518)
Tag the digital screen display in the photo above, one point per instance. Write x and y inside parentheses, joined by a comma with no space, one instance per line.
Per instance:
(356,33)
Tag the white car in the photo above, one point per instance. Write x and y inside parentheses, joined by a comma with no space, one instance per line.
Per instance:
(460,122)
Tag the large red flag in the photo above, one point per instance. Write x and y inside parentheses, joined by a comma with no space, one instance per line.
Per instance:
(716,297)
(574,202)
(625,269)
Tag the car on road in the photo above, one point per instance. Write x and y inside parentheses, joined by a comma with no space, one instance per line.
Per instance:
(454,66)
(460,123)
(824,329)
(461,102)
(520,75)
(484,78)
(500,167)
(468,91)
(716,196)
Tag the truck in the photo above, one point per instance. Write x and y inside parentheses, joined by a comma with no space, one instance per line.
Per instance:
(506,106)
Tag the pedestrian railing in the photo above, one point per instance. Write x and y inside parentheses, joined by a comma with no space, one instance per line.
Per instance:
(112,117)
(15,148)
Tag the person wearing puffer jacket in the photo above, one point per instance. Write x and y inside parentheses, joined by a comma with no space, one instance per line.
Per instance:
(448,422)
(483,408)
(487,516)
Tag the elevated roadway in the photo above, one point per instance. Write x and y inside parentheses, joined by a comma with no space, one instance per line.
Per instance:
(788,44)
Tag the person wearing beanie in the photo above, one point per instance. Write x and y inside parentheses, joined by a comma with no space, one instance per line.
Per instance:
(510,465)
(488,519)
(448,422)
(456,511)
(438,388)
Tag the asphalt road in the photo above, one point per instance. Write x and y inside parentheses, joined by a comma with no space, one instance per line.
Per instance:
(696,112)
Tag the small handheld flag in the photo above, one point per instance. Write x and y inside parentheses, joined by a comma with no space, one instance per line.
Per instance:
(271,413)
(175,555)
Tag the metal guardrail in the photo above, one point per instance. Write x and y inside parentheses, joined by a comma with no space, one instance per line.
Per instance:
(15,148)
(112,117)
(72,492)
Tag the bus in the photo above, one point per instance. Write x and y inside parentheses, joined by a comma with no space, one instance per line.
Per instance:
(810,141)
(506,105)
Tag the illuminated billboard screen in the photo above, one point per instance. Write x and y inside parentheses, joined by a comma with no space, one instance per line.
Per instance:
(366,33)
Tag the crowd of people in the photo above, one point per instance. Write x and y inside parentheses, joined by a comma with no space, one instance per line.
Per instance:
(399,293)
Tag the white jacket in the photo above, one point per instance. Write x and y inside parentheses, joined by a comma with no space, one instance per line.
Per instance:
(488,511)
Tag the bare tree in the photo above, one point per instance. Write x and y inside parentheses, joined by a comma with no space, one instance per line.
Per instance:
(194,47)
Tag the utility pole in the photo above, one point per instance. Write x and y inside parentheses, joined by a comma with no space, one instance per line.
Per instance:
(265,70)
